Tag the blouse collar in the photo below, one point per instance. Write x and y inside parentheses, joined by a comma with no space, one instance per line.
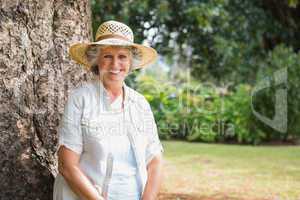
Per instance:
(116,105)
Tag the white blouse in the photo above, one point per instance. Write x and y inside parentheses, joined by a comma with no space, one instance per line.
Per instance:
(100,131)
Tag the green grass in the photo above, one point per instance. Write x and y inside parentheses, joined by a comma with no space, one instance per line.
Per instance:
(232,171)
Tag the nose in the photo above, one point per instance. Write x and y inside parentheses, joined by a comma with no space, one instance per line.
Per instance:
(115,62)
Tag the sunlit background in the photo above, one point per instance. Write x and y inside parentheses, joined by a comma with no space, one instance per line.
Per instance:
(224,91)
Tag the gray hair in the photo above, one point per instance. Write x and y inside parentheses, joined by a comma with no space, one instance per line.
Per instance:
(93,52)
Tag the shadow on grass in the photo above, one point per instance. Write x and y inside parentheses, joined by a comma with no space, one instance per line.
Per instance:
(176,196)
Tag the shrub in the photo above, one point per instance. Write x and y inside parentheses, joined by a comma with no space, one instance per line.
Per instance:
(283,60)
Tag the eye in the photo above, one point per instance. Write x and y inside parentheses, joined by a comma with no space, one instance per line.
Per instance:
(107,56)
(123,56)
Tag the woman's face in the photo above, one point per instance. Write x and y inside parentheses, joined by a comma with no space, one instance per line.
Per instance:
(114,63)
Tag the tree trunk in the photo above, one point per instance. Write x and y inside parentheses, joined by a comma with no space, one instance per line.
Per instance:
(36,77)
(288,17)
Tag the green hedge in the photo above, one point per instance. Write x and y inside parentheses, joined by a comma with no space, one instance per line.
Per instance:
(203,112)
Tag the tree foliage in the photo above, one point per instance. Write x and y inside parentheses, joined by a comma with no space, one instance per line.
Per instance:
(228,42)
(220,40)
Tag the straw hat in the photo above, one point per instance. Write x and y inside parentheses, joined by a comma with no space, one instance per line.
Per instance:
(113,33)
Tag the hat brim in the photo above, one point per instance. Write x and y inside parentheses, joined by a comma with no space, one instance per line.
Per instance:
(77,52)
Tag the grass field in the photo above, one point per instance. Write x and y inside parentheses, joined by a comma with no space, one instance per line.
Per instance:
(217,171)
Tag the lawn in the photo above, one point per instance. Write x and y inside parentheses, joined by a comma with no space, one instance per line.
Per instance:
(218,171)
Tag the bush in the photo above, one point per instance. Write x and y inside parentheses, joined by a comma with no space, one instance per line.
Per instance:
(280,59)
(183,111)
(196,112)
(238,117)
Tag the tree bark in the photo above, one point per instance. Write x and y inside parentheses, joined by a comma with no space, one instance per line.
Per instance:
(36,78)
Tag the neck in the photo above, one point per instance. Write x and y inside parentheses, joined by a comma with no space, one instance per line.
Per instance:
(113,89)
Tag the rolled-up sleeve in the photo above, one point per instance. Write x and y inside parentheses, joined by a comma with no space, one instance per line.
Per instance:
(69,130)
(154,146)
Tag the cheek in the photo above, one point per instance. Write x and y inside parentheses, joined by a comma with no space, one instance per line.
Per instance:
(103,65)
(127,66)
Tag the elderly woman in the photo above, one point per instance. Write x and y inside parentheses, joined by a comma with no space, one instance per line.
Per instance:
(108,142)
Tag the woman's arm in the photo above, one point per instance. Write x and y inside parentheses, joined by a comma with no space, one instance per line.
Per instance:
(68,166)
(155,176)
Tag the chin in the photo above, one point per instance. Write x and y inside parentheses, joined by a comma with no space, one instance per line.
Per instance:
(119,78)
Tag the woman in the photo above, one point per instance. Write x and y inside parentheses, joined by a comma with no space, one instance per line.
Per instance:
(108,142)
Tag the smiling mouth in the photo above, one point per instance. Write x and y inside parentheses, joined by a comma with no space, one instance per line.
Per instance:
(115,71)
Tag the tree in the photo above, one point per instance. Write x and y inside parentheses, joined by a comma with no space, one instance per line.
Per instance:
(36,76)
(226,42)
(219,40)
(287,13)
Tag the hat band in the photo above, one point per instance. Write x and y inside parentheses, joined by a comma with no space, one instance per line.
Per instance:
(113,36)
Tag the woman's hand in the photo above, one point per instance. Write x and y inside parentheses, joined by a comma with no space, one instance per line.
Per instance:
(68,167)
(99,190)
